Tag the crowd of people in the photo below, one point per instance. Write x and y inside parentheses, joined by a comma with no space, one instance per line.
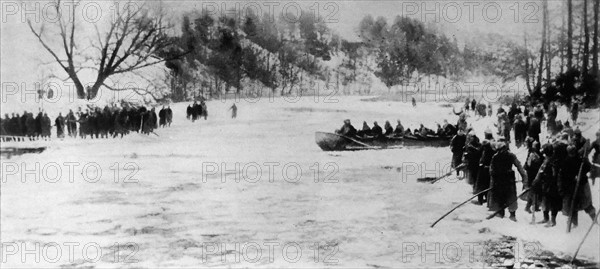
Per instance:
(377,132)
(196,111)
(479,109)
(551,171)
(94,122)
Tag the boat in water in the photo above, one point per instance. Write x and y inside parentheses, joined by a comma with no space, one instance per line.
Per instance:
(336,142)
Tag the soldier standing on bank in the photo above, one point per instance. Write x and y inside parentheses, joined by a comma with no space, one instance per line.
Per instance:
(483,173)
(504,190)
(457,146)
(233,109)
(569,176)
(546,185)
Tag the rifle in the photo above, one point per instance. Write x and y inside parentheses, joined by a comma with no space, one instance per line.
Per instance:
(456,207)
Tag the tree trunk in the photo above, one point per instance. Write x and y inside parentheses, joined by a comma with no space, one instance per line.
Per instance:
(595,45)
(569,34)
(93,91)
(586,42)
(548,49)
(542,47)
(527,77)
(81,94)
(562,38)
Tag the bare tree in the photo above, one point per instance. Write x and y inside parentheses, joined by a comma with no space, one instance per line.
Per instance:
(528,67)
(562,37)
(134,37)
(586,42)
(549,54)
(543,46)
(595,39)
(569,34)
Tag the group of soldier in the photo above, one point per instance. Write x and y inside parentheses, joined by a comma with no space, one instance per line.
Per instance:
(111,121)
(527,122)
(388,131)
(479,108)
(554,176)
(196,111)
(26,125)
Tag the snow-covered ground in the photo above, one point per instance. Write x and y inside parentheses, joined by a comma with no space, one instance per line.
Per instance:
(172,200)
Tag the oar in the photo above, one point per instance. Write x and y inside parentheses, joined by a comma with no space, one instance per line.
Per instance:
(573,198)
(585,236)
(456,207)
(447,174)
(507,205)
(358,142)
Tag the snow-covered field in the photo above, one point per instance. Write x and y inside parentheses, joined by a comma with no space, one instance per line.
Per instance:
(172,200)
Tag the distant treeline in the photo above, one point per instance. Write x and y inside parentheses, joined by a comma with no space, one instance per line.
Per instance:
(224,54)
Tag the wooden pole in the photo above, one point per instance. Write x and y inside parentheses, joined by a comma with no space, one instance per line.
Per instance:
(461,204)
(447,174)
(585,236)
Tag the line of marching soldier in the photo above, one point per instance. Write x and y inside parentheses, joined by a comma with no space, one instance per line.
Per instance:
(26,125)
(551,173)
(95,123)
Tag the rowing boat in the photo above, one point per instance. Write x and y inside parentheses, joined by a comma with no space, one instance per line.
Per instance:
(336,142)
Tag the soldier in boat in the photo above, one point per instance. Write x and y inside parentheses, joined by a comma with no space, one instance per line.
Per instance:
(424,131)
(366,130)
(347,129)
(399,131)
(449,129)
(440,130)
(389,130)
(376,131)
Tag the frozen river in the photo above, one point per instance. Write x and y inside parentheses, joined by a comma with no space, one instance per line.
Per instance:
(256,191)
